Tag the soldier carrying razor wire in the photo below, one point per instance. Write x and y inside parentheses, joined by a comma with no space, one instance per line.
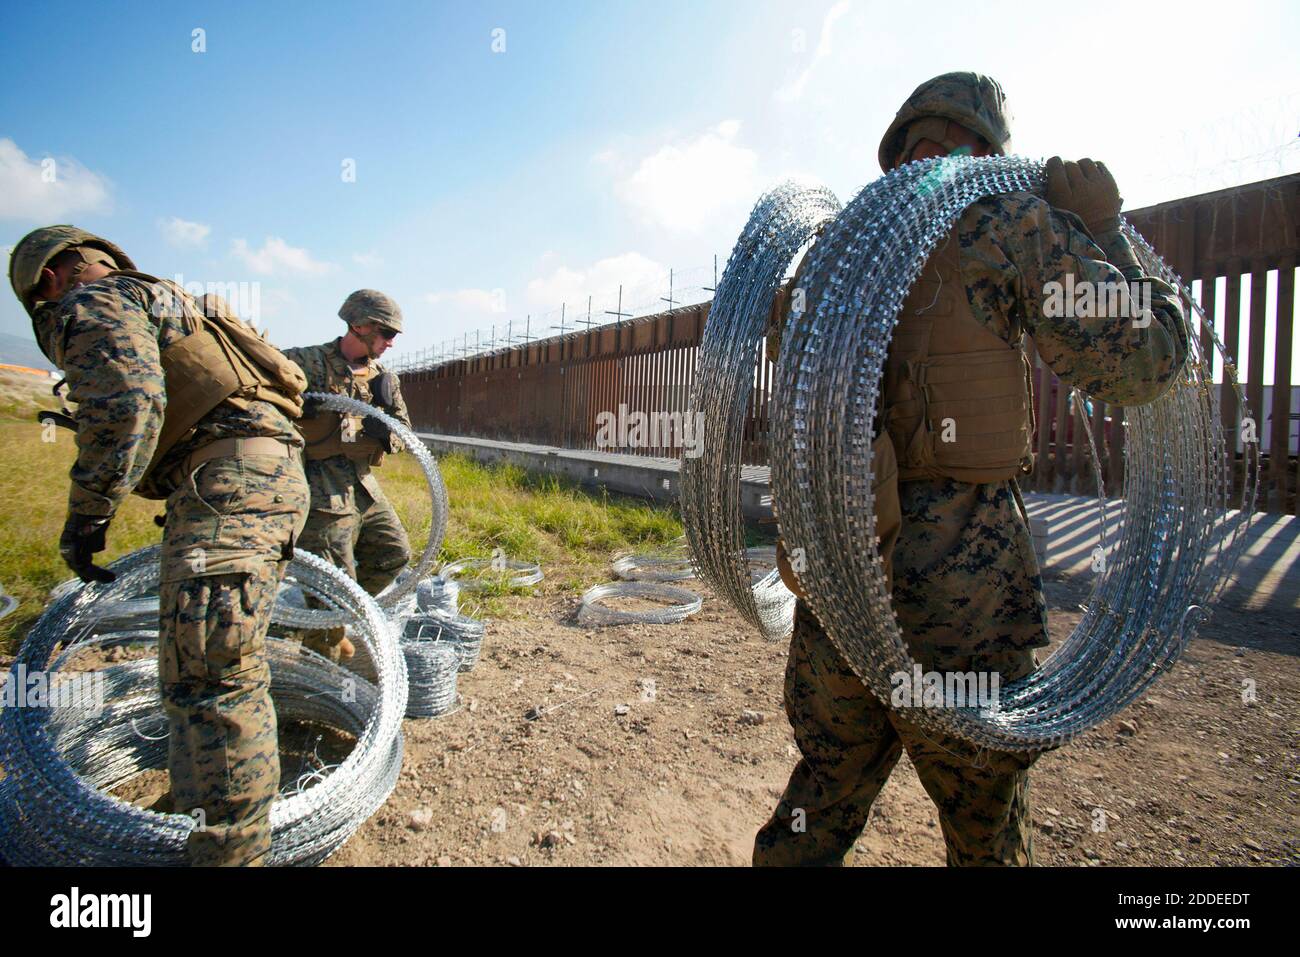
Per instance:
(954,536)
(178,399)
(351,522)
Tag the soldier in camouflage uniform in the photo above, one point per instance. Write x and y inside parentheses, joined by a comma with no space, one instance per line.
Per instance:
(965,581)
(351,522)
(221,448)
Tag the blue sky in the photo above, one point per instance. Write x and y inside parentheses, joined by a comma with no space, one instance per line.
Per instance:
(597,144)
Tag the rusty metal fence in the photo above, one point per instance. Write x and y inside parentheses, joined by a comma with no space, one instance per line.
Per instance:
(1231,245)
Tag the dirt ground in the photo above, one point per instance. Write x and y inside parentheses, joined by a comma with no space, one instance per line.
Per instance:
(1189,775)
(564,753)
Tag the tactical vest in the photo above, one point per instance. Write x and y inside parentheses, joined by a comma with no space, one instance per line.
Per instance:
(957,397)
(221,359)
(335,433)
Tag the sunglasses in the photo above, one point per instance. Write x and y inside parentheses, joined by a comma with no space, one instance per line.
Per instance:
(388,334)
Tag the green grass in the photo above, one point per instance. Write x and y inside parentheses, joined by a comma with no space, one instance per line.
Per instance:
(573,533)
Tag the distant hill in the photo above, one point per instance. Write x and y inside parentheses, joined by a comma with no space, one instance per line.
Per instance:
(22,351)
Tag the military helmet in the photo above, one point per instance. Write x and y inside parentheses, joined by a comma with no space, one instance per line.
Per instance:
(971,99)
(35,250)
(370,305)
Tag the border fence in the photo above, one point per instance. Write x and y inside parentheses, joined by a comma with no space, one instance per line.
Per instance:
(1236,248)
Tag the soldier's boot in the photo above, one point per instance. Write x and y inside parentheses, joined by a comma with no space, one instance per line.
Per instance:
(331,643)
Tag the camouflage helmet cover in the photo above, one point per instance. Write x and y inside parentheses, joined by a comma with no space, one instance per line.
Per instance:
(370,305)
(35,250)
(971,99)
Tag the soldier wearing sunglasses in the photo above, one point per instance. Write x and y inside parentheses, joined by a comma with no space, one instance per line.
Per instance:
(351,522)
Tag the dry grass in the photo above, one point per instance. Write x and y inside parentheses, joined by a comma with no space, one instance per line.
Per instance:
(21,394)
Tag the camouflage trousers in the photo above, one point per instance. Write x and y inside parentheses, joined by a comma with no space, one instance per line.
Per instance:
(230,531)
(368,542)
(850,742)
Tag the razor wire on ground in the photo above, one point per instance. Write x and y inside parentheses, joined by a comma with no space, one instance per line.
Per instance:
(61,761)
(671,563)
(400,601)
(525,573)
(460,632)
(431,615)
(1154,582)
(783,221)
(431,667)
(678,604)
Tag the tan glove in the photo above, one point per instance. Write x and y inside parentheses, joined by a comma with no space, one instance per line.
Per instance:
(1086,189)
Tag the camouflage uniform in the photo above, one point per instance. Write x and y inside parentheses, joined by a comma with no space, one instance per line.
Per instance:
(966,584)
(230,528)
(351,521)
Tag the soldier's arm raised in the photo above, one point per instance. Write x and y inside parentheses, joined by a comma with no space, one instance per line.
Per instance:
(1066,288)
(115,376)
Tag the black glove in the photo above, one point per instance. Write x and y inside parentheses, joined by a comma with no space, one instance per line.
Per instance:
(61,419)
(83,536)
(383,390)
(377,430)
(310,408)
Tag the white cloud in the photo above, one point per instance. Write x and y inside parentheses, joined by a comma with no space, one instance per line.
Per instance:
(276,257)
(184,234)
(278,303)
(47,190)
(600,280)
(483,301)
(370,260)
(685,186)
(792,89)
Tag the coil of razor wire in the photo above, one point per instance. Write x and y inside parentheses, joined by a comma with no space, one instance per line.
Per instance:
(406,583)
(461,632)
(431,667)
(438,594)
(526,573)
(58,762)
(109,746)
(653,568)
(1157,577)
(783,220)
(680,604)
